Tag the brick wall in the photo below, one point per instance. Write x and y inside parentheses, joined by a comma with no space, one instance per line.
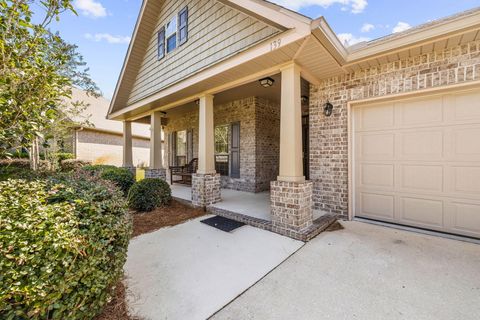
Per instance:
(267,122)
(242,111)
(329,136)
(259,139)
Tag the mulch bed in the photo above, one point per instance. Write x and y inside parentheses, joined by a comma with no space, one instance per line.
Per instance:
(174,214)
(145,222)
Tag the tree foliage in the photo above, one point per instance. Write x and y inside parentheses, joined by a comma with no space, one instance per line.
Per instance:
(37,71)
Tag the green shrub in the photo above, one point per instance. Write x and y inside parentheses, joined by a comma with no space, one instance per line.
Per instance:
(63,243)
(121,177)
(19,168)
(19,153)
(73,164)
(148,194)
(64,156)
(96,168)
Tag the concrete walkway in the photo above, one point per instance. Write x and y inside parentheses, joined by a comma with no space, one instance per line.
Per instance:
(368,272)
(192,270)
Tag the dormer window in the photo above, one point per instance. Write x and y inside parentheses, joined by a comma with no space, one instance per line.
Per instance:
(173,34)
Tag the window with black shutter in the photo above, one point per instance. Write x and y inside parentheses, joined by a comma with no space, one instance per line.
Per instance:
(183,26)
(235,150)
(227,150)
(189,145)
(161,43)
(222,157)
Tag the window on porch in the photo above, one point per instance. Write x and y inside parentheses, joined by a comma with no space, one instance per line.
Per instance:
(181,148)
(227,150)
(222,149)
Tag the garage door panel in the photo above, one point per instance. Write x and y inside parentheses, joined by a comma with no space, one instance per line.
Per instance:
(464,217)
(466,143)
(376,205)
(465,180)
(423,168)
(465,107)
(421,112)
(377,146)
(421,211)
(422,177)
(377,175)
(375,118)
(421,145)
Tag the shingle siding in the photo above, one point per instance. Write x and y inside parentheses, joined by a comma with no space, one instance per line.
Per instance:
(215,32)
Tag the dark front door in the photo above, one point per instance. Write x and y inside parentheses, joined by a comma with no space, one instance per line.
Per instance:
(306,147)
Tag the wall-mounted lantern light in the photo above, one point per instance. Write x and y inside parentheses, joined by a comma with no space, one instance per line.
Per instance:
(304,100)
(328,109)
(266,82)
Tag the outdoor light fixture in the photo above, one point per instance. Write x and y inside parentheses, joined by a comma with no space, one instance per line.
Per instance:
(304,99)
(266,82)
(328,109)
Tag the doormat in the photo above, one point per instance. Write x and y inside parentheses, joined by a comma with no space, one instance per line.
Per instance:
(222,223)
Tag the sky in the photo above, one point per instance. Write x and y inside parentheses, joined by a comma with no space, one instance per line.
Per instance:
(102,29)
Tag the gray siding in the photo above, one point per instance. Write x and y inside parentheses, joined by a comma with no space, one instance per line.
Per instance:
(215,32)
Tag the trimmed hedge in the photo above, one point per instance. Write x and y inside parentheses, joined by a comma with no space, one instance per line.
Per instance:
(73,164)
(18,168)
(121,177)
(63,243)
(64,156)
(148,194)
(96,168)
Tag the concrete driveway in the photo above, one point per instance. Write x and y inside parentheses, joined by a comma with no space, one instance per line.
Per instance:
(368,272)
(191,270)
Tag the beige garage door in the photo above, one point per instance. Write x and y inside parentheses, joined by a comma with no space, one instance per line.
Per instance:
(417,162)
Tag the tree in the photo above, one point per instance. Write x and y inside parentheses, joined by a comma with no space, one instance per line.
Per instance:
(37,71)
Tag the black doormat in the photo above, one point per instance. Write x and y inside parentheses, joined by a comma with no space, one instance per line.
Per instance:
(223,224)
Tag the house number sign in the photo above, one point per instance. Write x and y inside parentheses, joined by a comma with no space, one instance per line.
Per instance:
(275,44)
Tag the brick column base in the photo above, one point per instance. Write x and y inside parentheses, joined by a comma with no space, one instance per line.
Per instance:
(156,173)
(291,204)
(132,170)
(205,189)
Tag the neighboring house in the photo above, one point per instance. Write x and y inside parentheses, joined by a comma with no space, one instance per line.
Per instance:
(101,141)
(387,130)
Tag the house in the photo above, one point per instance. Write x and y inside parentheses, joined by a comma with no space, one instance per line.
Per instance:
(385,130)
(100,140)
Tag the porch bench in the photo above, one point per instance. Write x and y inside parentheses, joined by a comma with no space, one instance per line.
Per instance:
(185,172)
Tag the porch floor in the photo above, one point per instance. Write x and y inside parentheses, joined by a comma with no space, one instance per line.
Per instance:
(253,209)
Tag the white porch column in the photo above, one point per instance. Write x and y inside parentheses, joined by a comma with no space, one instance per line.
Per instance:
(206,182)
(206,147)
(291,166)
(156,169)
(291,195)
(156,155)
(127,145)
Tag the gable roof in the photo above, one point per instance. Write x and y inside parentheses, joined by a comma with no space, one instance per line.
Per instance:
(95,113)
(326,50)
(272,14)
